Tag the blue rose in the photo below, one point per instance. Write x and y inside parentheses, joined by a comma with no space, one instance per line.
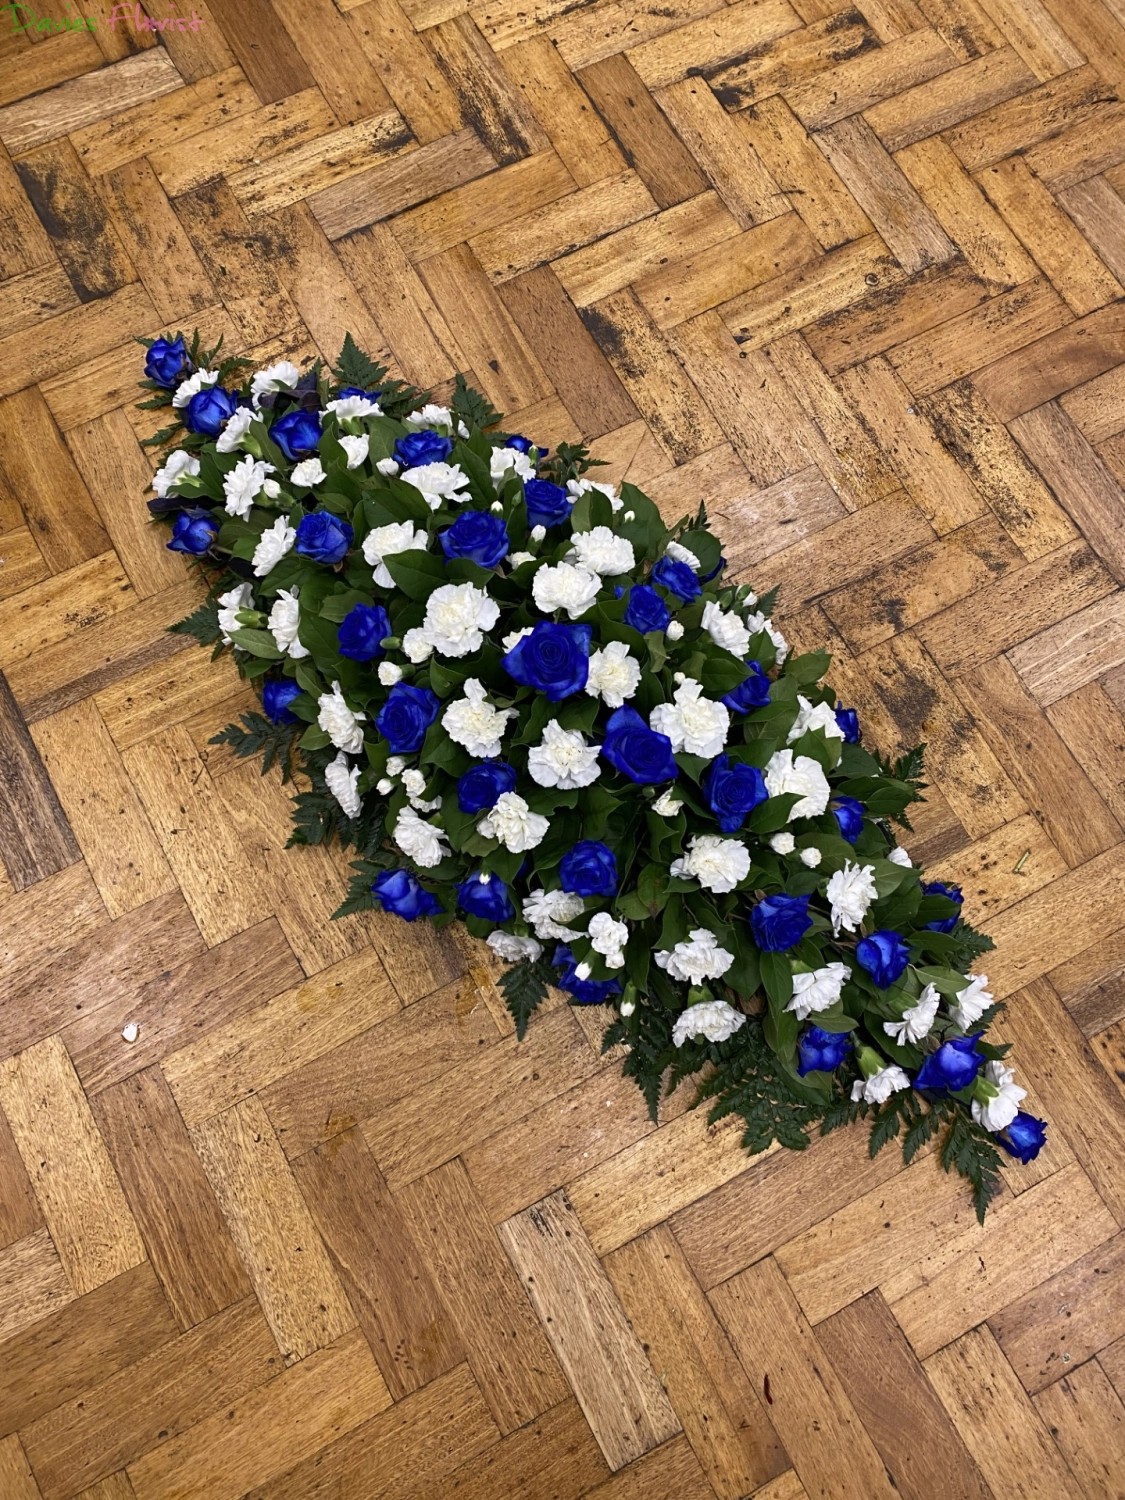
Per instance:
(733,789)
(589,869)
(208,409)
(168,362)
(678,578)
(404,895)
(951,893)
(363,631)
(1025,1137)
(848,720)
(194,531)
(780,922)
(547,504)
(636,750)
(420,448)
(953,1066)
(487,897)
(646,610)
(822,1051)
(277,694)
(405,717)
(297,433)
(849,815)
(525,445)
(482,786)
(585,991)
(477,535)
(323,537)
(754,692)
(553,659)
(884,955)
(354,390)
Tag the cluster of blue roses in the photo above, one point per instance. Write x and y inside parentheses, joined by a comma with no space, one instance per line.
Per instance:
(533,704)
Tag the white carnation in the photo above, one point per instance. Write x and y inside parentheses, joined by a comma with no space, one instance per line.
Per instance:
(419,840)
(513,949)
(516,559)
(347,408)
(472,721)
(564,586)
(917,1021)
(389,673)
(881,1085)
(851,892)
(272,546)
(998,1113)
(235,430)
(457,615)
(699,959)
(694,724)
(972,1002)
(602,551)
(576,487)
(811,858)
(339,723)
(395,766)
(389,541)
(718,864)
(613,674)
(429,416)
(417,646)
(803,775)
(563,759)
(818,989)
(229,604)
(726,630)
(245,482)
(757,622)
(667,805)
(608,937)
(283,621)
(820,716)
(176,466)
(341,783)
(192,386)
(714,1019)
(513,638)
(355,447)
(282,376)
(783,843)
(679,553)
(308,472)
(514,824)
(387,466)
(899,856)
(504,461)
(438,482)
(548,911)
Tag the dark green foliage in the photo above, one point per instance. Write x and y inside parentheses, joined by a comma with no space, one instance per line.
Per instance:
(907,769)
(359,897)
(203,624)
(471,407)
(648,1035)
(568,461)
(971,1150)
(354,367)
(524,987)
(257,735)
(753,1085)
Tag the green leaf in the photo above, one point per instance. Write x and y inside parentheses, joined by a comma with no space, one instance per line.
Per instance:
(258,643)
(354,367)
(417,574)
(473,409)
(808,668)
(777,978)
(524,987)
(202,623)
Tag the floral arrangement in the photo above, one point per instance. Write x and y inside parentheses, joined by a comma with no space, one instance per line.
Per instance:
(526,702)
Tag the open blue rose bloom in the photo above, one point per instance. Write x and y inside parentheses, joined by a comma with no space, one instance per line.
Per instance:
(526,699)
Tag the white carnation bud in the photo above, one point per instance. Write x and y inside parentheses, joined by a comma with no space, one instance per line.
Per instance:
(497,507)
(538,533)
(783,843)
(675,630)
(582,971)
(630,515)
(389,673)
(627,1007)
(384,787)
(811,858)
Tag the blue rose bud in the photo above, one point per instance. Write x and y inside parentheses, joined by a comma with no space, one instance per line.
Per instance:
(1025,1137)
(363,631)
(420,448)
(477,535)
(637,751)
(297,433)
(404,895)
(646,610)
(482,786)
(167,362)
(953,1066)
(323,537)
(553,659)
(754,692)
(585,991)
(678,578)
(733,789)
(547,504)
(848,720)
(822,1051)
(884,955)
(849,815)
(194,531)
(525,445)
(277,694)
(487,898)
(208,409)
(589,869)
(780,922)
(354,390)
(404,718)
(951,893)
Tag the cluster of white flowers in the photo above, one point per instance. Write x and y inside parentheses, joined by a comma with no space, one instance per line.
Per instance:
(437,482)
(917,1020)
(424,843)
(800,774)
(718,864)
(272,546)
(713,1019)
(693,723)
(608,937)
(697,960)
(613,675)
(245,482)
(565,586)
(229,604)
(602,551)
(850,893)
(549,911)
(563,759)
(817,989)
(475,723)
(514,824)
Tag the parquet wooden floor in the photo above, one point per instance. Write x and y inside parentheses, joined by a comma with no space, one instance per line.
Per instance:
(853,274)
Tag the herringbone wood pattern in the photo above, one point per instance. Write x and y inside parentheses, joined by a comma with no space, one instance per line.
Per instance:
(852,275)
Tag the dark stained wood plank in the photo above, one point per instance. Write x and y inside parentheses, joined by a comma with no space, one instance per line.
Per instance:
(35,837)
(19,1212)
(37,471)
(81,233)
(268,56)
(647,141)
